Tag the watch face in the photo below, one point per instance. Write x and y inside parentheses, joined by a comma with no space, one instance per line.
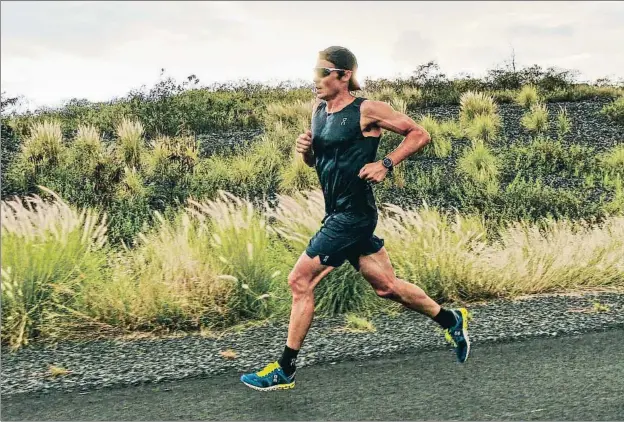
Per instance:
(387,162)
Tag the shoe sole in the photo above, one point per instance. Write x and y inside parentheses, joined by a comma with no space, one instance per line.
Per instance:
(465,317)
(273,388)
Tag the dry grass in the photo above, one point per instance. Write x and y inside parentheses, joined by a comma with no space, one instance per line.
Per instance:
(297,216)
(437,254)
(564,255)
(473,104)
(480,165)
(440,145)
(56,371)
(536,120)
(220,262)
(356,324)
(484,126)
(295,114)
(228,354)
(454,259)
(48,251)
(527,96)
(130,142)
(45,143)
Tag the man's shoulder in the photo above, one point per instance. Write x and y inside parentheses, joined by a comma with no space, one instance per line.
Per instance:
(368,104)
(370,108)
(317,103)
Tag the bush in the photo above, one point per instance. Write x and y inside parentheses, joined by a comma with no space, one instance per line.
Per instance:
(536,120)
(528,96)
(473,104)
(430,249)
(440,145)
(49,250)
(563,123)
(298,176)
(612,161)
(484,127)
(545,157)
(532,200)
(480,165)
(615,110)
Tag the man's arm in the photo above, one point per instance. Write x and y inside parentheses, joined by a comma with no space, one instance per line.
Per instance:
(381,114)
(309,157)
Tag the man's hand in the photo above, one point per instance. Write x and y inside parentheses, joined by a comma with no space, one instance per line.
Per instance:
(304,142)
(373,172)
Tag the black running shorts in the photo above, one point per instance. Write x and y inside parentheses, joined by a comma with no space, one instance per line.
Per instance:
(344,236)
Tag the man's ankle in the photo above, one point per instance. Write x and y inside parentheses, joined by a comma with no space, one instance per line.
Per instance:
(288,360)
(445,318)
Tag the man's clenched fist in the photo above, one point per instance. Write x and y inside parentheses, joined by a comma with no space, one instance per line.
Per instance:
(304,142)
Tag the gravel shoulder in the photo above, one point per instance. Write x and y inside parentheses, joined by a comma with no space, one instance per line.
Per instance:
(117,363)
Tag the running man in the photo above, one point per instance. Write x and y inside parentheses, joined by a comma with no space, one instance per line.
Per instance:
(342,146)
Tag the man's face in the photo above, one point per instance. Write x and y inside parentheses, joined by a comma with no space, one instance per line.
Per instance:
(329,84)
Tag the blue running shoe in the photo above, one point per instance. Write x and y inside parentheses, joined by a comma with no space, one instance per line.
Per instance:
(458,335)
(272,377)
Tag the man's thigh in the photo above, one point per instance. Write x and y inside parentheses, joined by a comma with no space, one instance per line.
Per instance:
(342,236)
(309,271)
(368,250)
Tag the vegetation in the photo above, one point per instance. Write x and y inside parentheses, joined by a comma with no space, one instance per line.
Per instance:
(615,110)
(113,222)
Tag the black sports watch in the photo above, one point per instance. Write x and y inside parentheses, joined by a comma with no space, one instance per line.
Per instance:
(387,163)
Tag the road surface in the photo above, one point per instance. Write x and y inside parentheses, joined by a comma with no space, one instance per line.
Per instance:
(560,378)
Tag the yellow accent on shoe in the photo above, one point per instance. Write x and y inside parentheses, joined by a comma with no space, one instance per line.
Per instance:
(268,369)
(466,316)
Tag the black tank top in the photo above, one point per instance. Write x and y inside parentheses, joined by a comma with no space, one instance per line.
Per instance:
(341,150)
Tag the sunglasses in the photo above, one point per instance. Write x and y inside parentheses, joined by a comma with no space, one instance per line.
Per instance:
(322,72)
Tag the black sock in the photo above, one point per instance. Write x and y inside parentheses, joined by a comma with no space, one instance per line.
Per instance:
(287,361)
(445,318)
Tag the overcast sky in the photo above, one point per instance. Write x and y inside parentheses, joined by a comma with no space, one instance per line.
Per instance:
(55,51)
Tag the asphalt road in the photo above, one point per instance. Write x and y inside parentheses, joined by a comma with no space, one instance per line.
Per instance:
(561,378)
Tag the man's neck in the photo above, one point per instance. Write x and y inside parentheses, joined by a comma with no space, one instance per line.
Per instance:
(339,102)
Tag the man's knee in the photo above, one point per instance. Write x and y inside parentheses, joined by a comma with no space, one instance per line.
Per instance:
(386,289)
(305,275)
(299,283)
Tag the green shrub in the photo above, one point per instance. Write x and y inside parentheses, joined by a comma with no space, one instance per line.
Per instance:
(563,123)
(298,176)
(473,104)
(615,110)
(536,120)
(480,165)
(49,250)
(484,126)
(527,97)
(616,205)
(440,145)
(612,161)
(545,157)
(504,96)
(533,200)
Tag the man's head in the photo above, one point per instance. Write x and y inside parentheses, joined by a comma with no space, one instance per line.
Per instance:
(335,71)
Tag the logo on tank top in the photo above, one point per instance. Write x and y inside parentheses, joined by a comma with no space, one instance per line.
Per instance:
(344,121)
